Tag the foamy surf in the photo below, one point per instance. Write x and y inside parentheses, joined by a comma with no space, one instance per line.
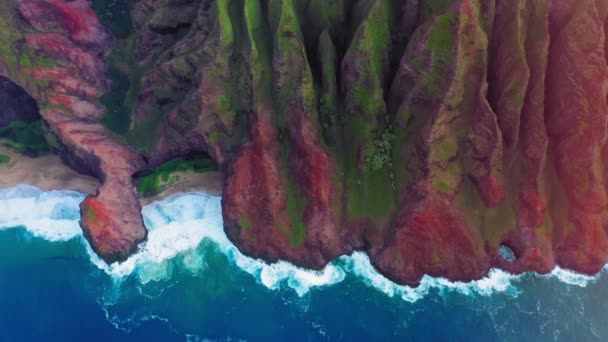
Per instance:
(179,224)
(51,215)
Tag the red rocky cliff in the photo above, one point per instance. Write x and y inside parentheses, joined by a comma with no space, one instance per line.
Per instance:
(430,134)
(63,44)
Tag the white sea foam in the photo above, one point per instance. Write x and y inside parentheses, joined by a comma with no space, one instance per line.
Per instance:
(50,215)
(496,281)
(572,278)
(178,225)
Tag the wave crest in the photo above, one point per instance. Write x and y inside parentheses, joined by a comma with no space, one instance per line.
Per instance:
(179,224)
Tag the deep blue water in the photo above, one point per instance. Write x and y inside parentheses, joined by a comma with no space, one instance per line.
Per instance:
(190,283)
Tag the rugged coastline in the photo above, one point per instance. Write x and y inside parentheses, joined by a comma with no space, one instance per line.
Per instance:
(49,173)
(429,134)
(46,172)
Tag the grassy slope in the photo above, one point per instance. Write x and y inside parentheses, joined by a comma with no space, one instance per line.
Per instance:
(4,159)
(157,180)
(25,138)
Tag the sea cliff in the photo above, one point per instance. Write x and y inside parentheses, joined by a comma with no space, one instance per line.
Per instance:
(439,137)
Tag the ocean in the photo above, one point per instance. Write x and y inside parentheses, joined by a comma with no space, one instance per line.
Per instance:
(190,283)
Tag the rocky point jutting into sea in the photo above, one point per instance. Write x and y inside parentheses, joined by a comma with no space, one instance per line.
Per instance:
(439,137)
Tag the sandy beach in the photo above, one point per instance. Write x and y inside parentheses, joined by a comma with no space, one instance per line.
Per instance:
(46,172)
(208,182)
(49,173)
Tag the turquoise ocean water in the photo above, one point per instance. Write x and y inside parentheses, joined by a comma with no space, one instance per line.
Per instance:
(188,282)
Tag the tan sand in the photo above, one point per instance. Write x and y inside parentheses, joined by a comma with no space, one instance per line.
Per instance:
(49,173)
(208,182)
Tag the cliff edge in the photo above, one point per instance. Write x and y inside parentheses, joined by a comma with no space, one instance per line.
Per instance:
(441,137)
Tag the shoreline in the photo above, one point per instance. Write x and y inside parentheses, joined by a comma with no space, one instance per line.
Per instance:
(210,183)
(49,173)
(169,241)
(495,280)
(45,172)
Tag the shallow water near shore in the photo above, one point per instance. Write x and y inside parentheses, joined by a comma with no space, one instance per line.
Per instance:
(188,282)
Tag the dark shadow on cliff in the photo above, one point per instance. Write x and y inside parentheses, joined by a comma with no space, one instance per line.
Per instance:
(21,127)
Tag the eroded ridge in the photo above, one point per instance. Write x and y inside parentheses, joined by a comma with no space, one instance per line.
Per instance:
(54,49)
(440,137)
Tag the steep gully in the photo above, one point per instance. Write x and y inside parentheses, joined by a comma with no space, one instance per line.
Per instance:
(430,134)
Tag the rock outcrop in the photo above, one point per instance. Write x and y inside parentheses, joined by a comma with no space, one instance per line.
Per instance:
(429,134)
(56,53)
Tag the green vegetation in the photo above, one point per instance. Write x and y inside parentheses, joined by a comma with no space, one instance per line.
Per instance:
(125,76)
(25,138)
(327,107)
(296,201)
(244,222)
(115,15)
(22,57)
(430,7)
(143,136)
(289,49)
(90,214)
(156,181)
(123,58)
(441,45)
(226,30)
(371,190)
(4,159)
(117,119)
(372,40)
(379,154)
(447,180)
(494,223)
(370,195)
(319,15)
(261,48)
(446,149)
(294,85)
(8,36)
(442,39)
(120,101)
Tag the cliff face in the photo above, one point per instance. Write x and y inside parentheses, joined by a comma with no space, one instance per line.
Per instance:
(430,134)
(54,49)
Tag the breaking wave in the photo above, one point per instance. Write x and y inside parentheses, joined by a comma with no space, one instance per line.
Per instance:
(179,224)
